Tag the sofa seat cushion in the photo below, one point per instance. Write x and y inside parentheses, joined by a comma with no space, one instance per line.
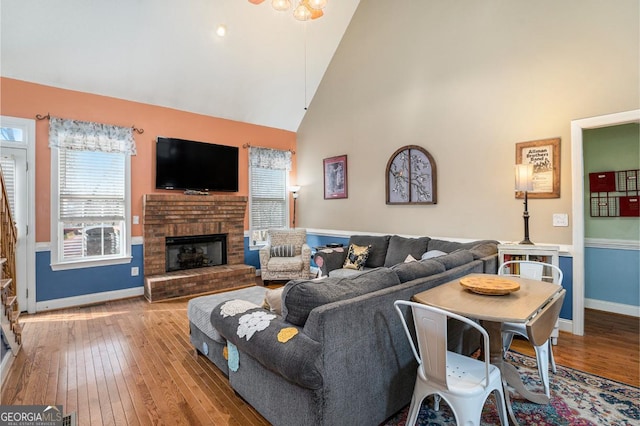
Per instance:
(285,264)
(378,251)
(409,271)
(300,297)
(274,343)
(401,247)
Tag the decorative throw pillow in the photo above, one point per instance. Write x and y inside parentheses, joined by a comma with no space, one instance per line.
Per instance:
(286,250)
(356,257)
(273,300)
(432,253)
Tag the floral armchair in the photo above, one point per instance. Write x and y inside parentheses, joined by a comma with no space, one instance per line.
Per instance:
(286,256)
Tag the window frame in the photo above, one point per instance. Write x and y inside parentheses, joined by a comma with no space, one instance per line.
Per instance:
(287,219)
(57,264)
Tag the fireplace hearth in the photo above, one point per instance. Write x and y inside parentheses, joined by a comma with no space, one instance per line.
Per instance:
(197,251)
(169,217)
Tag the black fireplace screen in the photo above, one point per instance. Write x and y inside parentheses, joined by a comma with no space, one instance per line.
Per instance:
(197,251)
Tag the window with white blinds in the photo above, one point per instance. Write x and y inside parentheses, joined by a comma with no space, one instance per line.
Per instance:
(268,205)
(91,204)
(90,193)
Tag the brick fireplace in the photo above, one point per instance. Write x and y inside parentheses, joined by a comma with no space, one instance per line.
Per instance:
(177,215)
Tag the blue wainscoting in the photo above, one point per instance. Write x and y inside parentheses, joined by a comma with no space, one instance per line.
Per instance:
(52,285)
(251,257)
(612,275)
(566,266)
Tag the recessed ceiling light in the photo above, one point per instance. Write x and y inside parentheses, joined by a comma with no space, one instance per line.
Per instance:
(221,30)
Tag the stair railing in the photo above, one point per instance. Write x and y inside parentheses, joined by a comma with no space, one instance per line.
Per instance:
(8,237)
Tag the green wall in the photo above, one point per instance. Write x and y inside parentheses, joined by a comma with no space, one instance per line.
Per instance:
(611,149)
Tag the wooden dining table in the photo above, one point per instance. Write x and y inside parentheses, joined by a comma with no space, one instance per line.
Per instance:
(492,310)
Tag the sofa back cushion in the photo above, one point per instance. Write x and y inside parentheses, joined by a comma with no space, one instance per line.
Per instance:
(408,271)
(450,246)
(300,297)
(484,249)
(401,247)
(378,251)
(453,260)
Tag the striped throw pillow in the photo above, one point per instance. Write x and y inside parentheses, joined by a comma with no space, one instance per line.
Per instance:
(286,250)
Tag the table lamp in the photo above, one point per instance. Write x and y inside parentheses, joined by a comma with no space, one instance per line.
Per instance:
(524,183)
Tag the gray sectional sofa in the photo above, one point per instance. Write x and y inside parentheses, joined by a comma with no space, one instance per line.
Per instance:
(336,354)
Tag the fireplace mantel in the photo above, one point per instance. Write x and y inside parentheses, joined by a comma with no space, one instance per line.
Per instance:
(177,215)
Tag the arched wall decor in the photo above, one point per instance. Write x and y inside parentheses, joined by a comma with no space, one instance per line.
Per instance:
(411,176)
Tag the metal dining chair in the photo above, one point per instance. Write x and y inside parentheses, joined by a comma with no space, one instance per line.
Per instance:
(544,353)
(463,382)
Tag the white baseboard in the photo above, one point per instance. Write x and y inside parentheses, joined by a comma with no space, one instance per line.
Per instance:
(616,308)
(89,299)
(5,365)
(566,325)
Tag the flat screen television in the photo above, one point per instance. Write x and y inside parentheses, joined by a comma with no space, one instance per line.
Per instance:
(198,166)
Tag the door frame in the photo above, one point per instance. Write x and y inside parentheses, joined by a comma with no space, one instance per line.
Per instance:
(577,187)
(29,128)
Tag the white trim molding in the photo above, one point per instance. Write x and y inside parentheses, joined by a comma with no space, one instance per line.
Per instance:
(565,325)
(604,243)
(46,246)
(577,196)
(6,365)
(89,299)
(616,308)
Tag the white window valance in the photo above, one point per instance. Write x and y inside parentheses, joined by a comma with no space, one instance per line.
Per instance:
(89,136)
(267,158)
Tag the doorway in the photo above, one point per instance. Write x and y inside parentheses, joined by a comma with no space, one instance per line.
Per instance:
(577,186)
(17,152)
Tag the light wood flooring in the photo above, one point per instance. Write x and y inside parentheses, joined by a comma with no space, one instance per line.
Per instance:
(130,362)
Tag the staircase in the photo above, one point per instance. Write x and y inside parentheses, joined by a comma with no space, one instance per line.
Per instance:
(10,311)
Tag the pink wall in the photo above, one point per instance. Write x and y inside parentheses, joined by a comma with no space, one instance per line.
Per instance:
(25,100)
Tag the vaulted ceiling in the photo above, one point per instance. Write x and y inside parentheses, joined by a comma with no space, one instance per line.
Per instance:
(265,71)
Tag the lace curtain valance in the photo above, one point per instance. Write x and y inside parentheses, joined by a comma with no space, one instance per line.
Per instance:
(267,158)
(88,136)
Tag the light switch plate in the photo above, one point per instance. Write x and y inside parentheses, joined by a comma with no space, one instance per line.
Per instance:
(560,219)
(136,220)
(135,271)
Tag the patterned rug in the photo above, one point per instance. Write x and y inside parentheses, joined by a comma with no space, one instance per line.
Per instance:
(577,398)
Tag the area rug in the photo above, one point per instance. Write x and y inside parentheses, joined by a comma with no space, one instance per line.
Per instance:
(577,398)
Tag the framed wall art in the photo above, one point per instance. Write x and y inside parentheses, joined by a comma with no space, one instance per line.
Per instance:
(335,177)
(411,176)
(545,156)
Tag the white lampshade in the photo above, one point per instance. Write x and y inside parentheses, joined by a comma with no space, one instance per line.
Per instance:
(317,4)
(281,5)
(524,177)
(294,188)
(302,12)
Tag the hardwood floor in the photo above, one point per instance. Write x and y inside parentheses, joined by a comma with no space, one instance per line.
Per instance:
(609,348)
(130,362)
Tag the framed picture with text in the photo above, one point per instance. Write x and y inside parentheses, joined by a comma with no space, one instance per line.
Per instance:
(545,156)
(335,177)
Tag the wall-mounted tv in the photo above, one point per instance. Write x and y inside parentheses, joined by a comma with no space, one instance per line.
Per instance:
(199,166)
